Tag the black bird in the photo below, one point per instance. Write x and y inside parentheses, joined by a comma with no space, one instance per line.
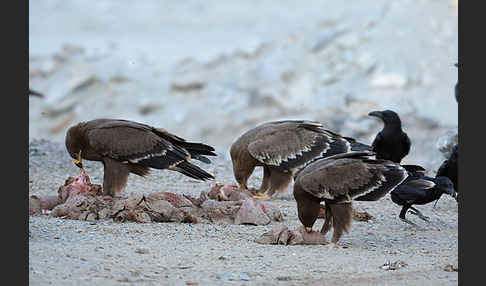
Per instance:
(391,143)
(449,168)
(414,171)
(456,90)
(35,93)
(418,189)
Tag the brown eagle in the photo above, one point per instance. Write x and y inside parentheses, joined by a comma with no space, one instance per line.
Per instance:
(126,147)
(283,147)
(338,180)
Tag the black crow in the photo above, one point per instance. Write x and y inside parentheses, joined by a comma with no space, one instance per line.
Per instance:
(391,143)
(35,93)
(456,90)
(418,189)
(449,168)
(414,172)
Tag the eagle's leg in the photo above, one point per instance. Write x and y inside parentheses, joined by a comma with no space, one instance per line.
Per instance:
(279,182)
(266,180)
(327,221)
(242,176)
(115,177)
(419,214)
(342,215)
(265,184)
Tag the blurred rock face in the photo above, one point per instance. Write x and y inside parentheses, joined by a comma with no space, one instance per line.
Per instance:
(212,84)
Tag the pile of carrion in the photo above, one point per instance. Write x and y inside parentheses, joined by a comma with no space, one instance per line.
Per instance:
(79,199)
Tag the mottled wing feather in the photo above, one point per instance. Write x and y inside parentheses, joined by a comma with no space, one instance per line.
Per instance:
(135,145)
(124,143)
(391,175)
(277,147)
(343,180)
(288,145)
(332,179)
(358,146)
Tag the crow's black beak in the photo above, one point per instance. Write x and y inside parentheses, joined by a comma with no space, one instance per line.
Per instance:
(454,195)
(376,114)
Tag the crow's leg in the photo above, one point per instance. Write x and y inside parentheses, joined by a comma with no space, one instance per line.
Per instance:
(419,214)
(404,219)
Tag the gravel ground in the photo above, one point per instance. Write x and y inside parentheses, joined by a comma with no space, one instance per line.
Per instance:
(73,252)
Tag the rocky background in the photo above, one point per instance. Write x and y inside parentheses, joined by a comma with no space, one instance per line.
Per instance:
(209,70)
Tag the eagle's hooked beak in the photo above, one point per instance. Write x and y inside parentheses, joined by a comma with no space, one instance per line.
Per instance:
(78,162)
(308,229)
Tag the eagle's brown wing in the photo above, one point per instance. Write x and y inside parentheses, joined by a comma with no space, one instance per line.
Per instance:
(136,144)
(290,144)
(105,123)
(132,144)
(196,150)
(346,179)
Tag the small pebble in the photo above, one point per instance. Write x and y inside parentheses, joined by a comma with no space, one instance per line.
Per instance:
(141,250)
(451,268)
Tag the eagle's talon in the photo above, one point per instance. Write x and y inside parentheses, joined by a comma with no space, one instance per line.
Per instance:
(261,196)
(334,245)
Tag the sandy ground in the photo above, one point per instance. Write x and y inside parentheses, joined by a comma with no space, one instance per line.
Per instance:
(65,251)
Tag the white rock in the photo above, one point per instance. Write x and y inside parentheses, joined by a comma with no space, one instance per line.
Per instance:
(390,80)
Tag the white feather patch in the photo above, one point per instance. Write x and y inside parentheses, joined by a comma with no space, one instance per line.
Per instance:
(379,183)
(267,158)
(148,156)
(324,195)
